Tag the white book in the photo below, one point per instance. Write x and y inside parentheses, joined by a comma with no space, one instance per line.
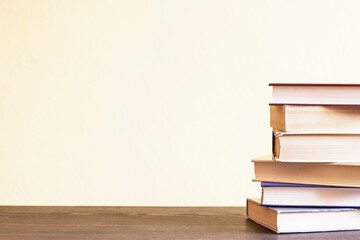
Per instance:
(294,220)
(315,94)
(316,147)
(300,195)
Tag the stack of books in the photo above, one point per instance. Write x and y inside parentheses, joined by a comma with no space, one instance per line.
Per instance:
(311,182)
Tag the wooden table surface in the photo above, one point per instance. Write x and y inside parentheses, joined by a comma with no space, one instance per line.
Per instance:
(24,222)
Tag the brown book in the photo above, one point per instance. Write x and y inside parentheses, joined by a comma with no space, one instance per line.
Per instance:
(316,147)
(331,174)
(299,219)
(316,93)
(304,118)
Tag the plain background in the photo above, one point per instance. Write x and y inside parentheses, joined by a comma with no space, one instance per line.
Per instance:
(154,102)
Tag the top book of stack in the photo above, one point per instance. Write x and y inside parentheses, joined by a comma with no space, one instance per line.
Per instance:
(315,94)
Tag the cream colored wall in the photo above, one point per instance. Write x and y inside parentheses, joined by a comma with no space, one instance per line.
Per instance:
(154,102)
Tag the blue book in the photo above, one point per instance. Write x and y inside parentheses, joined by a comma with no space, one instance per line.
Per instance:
(299,195)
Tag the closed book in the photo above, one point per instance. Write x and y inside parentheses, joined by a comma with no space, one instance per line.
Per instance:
(316,93)
(300,195)
(317,147)
(313,173)
(293,220)
(321,119)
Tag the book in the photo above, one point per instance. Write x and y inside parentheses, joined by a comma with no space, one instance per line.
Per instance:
(324,119)
(315,94)
(292,220)
(300,195)
(330,174)
(316,147)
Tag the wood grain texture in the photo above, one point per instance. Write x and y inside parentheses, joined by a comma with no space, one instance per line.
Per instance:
(25,222)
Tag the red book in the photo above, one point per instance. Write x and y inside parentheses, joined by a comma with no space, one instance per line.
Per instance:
(315,94)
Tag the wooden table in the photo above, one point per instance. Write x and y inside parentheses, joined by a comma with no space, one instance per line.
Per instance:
(23,222)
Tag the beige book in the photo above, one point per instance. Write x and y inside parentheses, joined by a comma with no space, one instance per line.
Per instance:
(316,147)
(292,220)
(305,118)
(331,174)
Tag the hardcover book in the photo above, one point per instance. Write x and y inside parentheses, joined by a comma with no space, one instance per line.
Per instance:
(330,174)
(320,119)
(316,94)
(316,147)
(300,195)
(293,220)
